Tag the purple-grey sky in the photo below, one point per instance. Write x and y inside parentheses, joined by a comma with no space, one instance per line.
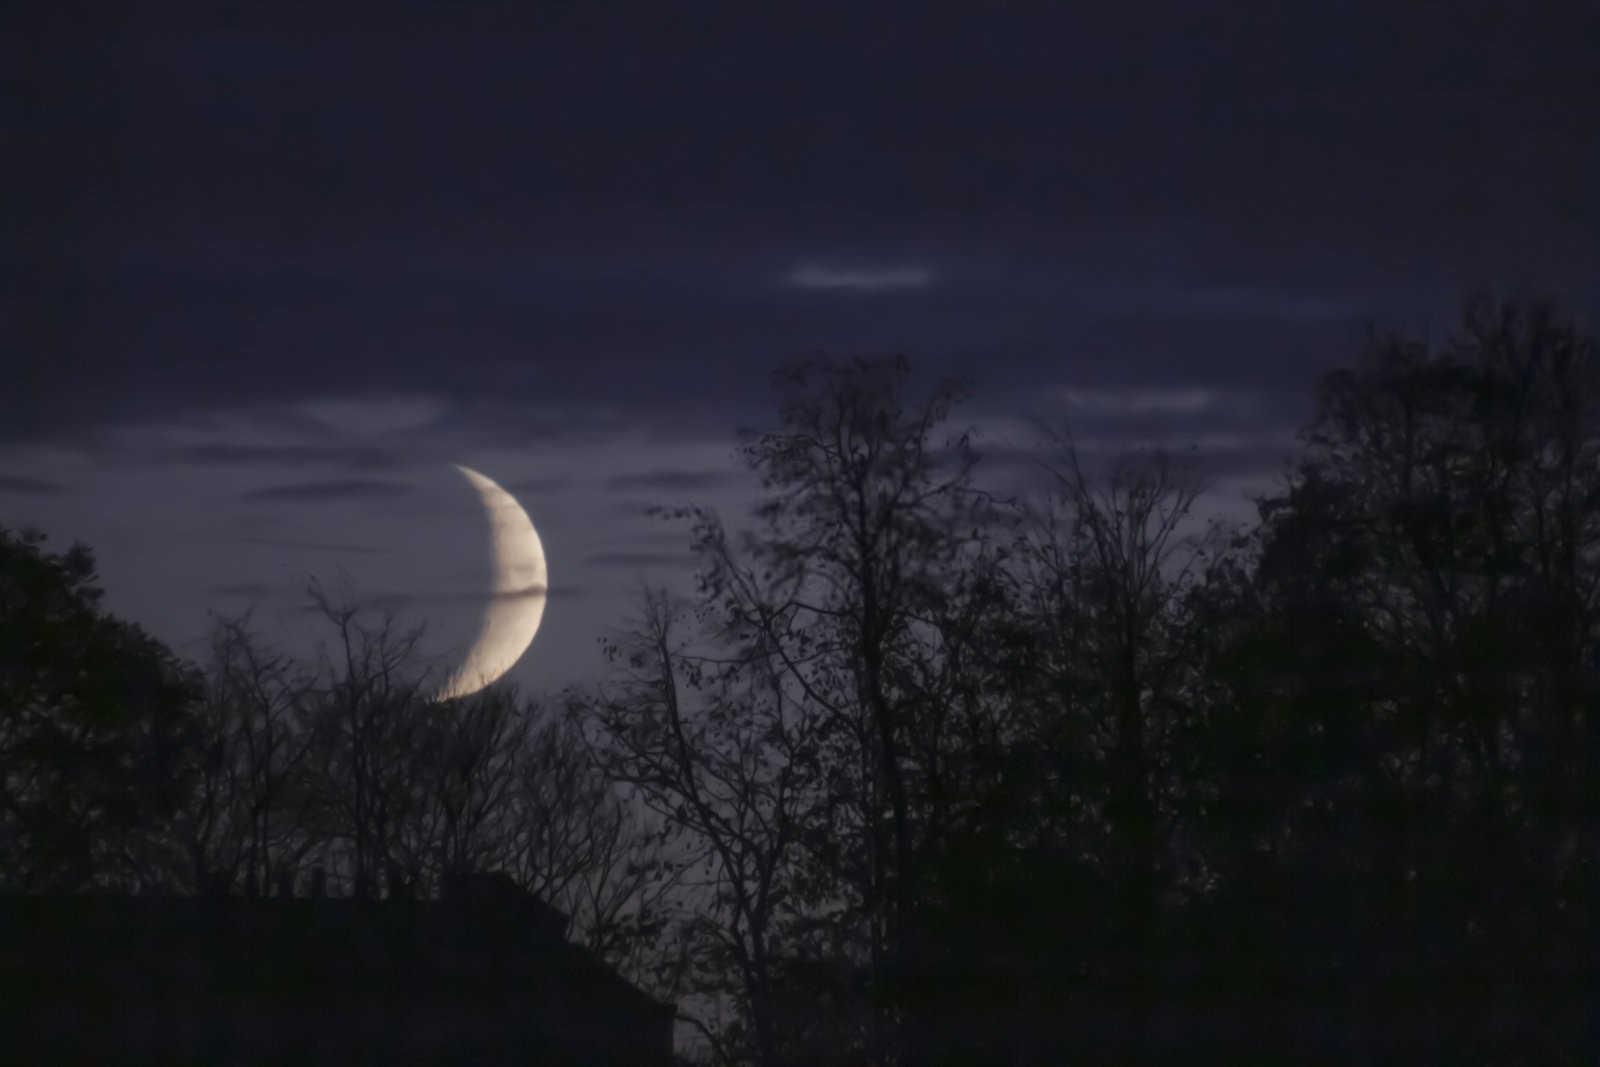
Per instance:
(262,283)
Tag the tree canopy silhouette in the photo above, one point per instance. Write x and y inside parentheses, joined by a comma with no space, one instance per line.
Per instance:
(95,722)
(1067,777)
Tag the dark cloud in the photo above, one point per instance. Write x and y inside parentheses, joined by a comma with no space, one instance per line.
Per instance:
(1224,431)
(677,480)
(640,559)
(860,279)
(551,484)
(471,597)
(655,510)
(252,590)
(22,485)
(234,455)
(1250,187)
(527,593)
(392,601)
(314,546)
(342,489)
(1039,467)
(678,538)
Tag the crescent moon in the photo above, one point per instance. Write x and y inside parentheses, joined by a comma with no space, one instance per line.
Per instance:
(516,602)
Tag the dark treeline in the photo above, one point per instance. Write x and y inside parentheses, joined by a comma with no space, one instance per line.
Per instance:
(919,774)
(256,774)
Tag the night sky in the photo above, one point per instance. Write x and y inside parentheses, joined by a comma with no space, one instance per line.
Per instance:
(263,283)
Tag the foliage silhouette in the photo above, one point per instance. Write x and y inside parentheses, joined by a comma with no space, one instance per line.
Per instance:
(95,720)
(1314,791)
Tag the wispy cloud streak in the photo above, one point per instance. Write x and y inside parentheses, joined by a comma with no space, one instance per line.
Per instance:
(314,546)
(671,479)
(860,279)
(22,485)
(239,455)
(342,489)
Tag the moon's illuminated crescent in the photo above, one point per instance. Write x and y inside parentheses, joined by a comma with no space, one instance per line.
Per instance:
(516,603)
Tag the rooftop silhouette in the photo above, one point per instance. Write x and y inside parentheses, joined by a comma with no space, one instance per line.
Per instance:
(482,976)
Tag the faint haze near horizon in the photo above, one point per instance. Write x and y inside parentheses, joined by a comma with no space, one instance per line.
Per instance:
(363,501)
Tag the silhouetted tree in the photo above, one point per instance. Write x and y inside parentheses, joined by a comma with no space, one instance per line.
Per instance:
(1056,867)
(811,729)
(721,766)
(1399,701)
(95,716)
(1069,768)
(470,752)
(862,590)
(584,844)
(369,763)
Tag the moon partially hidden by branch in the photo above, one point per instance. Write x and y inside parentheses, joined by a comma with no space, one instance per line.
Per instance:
(516,601)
